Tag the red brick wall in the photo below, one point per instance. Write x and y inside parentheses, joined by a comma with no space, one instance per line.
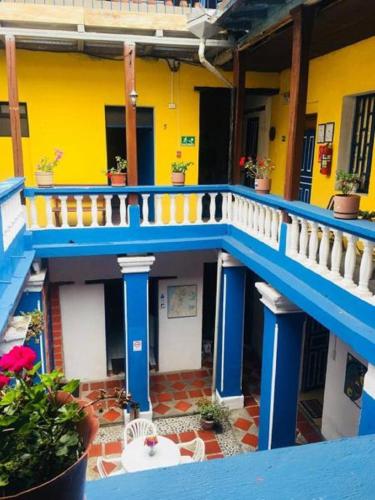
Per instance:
(58,354)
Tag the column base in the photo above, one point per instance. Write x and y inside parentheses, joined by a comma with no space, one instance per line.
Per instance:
(142,414)
(231,402)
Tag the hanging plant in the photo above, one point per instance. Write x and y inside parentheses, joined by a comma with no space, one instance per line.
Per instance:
(36,326)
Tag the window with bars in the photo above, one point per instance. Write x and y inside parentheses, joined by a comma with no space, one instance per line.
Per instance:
(363,139)
(5,120)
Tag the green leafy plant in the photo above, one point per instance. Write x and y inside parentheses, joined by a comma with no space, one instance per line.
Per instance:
(36,325)
(121,166)
(347,182)
(180,167)
(47,165)
(260,168)
(212,411)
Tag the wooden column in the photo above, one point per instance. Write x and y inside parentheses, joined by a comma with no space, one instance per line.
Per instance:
(14,109)
(131,118)
(302,27)
(239,75)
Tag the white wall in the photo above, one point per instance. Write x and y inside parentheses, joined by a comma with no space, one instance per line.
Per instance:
(340,414)
(83,331)
(180,339)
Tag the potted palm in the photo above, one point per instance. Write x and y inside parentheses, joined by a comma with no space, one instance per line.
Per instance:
(212,413)
(45,168)
(260,169)
(346,204)
(178,172)
(117,174)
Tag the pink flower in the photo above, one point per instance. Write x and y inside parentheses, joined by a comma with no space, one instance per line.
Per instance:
(17,359)
(58,154)
(242,161)
(4,381)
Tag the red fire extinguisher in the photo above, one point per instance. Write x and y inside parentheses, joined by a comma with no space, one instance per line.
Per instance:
(325,158)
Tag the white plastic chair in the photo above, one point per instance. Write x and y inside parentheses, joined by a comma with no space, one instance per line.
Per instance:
(140,427)
(197,447)
(101,469)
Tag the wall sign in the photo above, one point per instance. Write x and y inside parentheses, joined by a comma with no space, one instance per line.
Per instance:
(330,128)
(321,133)
(182,301)
(137,345)
(188,140)
(354,377)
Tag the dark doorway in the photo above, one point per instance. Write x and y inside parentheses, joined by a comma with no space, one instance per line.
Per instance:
(307,158)
(114,325)
(315,354)
(252,130)
(116,142)
(153,323)
(214,132)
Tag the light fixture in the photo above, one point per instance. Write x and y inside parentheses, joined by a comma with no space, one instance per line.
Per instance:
(133,97)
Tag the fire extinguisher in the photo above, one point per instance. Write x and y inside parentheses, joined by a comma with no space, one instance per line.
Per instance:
(325,158)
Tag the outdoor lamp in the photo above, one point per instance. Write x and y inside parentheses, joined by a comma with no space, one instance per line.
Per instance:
(133,97)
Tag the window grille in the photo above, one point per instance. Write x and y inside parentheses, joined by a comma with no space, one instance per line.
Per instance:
(5,120)
(363,139)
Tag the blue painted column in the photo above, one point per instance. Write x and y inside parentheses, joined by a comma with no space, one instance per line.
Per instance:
(32,299)
(281,361)
(230,308)
(135,271)
(367,418)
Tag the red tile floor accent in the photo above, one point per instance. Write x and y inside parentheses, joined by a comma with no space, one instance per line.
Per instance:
(106,410)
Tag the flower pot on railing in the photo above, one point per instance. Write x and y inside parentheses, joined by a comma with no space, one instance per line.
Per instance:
(118,179)
(262,186)
(346,206)
(178,178)
(44,179)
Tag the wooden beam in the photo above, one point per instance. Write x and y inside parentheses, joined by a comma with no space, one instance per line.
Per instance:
(303,18)
(131,117)
(239,75)
(14,108)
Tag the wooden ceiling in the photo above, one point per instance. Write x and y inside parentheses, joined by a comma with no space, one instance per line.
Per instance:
(337,24)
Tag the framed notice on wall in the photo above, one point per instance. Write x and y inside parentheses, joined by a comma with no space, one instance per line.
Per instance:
(354,377)
(321,133)
(182,301)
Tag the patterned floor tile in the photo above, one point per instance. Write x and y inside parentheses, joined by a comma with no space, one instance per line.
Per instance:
(183,406)
(161,409)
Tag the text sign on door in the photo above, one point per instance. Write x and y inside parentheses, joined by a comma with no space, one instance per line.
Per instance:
(137,345)
(188,140)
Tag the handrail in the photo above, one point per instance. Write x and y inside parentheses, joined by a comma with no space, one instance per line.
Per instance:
(10,186)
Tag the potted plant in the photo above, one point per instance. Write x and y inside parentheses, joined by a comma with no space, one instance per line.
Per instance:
(36,325)
(346,204)
(117,174)
(45,168)
(260,169)
(178,172)
(211,413)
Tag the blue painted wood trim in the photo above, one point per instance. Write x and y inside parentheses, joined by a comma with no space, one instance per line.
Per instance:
(9,187)
(367,418)
(331,470)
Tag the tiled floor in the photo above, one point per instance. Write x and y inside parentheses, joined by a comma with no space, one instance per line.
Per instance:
(106,410)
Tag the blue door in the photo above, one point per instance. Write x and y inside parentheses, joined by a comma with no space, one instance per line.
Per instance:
(307,166)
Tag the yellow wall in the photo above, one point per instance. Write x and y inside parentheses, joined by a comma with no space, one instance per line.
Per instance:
(66,95)
(347,71)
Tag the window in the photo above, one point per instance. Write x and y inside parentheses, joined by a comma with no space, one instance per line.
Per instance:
(5,120)
(362,143)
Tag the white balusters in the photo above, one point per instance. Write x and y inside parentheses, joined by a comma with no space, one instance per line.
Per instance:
(275,225)
(108,210)
(172,219)
(350,261)
(212,219)
(12,218)
(336,256)
(158,209)
(198,219)
(123,217)
(303,240)
(366,268)
(261,221)
(267,223)
(49,213)
(64,211)
(230,208)
(313,244)
(33,213)
(293,237)
(186,209)
(94,210)
(145,210)
(79,208)
(324,251)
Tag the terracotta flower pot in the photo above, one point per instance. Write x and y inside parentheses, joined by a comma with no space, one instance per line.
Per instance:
(346,206)
(262,186)
(70,484)
(44,179)
(207,425)
(178,178)
(118,179)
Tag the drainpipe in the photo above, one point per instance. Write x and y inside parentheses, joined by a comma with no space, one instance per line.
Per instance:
(216,332)
(209,66)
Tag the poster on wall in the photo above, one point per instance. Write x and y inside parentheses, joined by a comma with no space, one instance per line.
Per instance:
(182,301)
(354,377)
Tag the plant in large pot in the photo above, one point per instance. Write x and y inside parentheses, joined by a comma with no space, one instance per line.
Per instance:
(179,169)
(117,174)
(260,169)
(346,204)
(212,413)
(45,168)
(44,432)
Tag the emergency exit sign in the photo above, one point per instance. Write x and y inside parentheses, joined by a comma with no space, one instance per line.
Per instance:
(188,140)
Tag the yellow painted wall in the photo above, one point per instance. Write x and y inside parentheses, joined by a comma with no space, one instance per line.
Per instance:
(66,95)
(341,73)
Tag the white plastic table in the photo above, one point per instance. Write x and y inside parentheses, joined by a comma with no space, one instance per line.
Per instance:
(135,456)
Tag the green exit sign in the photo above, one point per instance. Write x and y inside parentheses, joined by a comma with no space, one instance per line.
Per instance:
(188,140)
